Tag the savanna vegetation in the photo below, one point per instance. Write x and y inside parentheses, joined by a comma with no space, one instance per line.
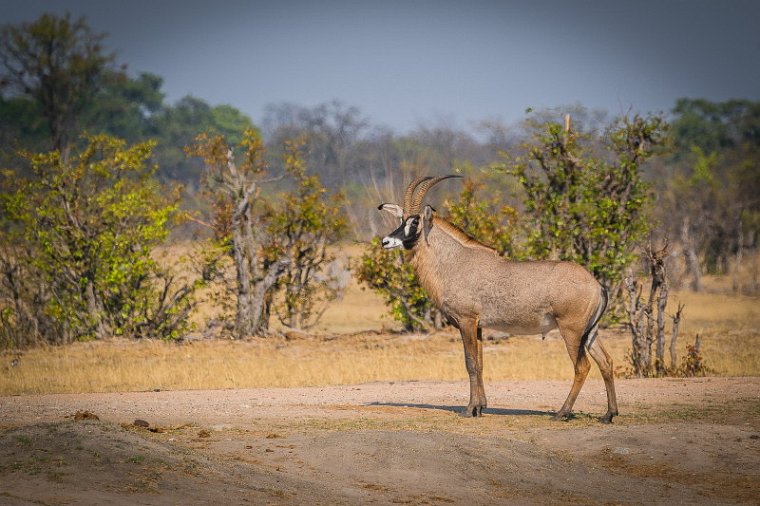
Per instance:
(103,183)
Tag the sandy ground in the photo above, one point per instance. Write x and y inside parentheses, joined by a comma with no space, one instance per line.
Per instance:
(677,441)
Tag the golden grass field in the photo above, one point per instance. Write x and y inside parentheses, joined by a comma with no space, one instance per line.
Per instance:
(357,342)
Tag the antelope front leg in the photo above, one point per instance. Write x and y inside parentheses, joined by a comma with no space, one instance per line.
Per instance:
(481,385)
(473,359)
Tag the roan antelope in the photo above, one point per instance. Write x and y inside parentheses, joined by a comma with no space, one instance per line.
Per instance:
(475,288)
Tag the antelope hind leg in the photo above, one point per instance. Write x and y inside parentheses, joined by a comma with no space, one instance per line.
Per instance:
(604,361)
(581,365)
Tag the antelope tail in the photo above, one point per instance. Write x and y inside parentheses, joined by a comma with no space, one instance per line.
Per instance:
(587,339)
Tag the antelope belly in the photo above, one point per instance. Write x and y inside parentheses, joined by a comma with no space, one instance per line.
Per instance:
(522,326)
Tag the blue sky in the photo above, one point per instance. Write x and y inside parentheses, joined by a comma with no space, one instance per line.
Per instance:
(407,63)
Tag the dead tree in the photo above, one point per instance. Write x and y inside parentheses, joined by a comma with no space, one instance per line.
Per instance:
(674,337)
(647,325)
(236,189)
(690,256)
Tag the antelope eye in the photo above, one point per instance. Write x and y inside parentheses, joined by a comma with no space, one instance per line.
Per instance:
(411,222)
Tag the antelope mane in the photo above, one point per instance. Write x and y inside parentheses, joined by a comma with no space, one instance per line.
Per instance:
(458,235)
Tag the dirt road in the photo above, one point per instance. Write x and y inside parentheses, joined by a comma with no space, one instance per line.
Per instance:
(693,441)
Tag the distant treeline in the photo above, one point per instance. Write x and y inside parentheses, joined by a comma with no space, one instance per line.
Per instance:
(706,180)
(98,171)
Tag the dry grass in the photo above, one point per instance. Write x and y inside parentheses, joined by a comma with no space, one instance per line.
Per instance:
(356,343)
(729,325)
(359,311)
(123,365)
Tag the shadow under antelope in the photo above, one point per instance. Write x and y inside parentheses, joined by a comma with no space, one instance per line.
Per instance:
(475,288)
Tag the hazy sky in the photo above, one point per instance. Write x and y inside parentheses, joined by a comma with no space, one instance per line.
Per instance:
(409,62)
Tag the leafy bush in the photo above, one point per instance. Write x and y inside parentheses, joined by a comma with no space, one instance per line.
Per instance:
(302,228)
(486,219)
(585,196)
(76,248)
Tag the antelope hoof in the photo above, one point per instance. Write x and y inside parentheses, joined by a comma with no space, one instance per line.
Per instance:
(472,411)
(561,416)
(607,418)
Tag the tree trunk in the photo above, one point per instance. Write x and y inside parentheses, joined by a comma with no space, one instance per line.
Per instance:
(97,312)
(753,283)
(244,323)
(437,320)
(245,249)
(260,292)
(643,333)
(659,285)
(636,312)
(674,339)
(692,261)
(662,301)
(739,254)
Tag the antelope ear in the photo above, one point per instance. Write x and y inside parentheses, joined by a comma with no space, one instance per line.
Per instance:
(394,209)
(427,215)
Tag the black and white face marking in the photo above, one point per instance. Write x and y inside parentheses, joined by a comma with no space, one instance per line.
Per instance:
(406,235)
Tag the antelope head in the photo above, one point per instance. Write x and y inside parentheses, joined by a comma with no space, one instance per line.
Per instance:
(413,222)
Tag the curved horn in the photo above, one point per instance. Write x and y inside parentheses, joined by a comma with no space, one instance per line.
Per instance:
(423,189)
(410,193)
